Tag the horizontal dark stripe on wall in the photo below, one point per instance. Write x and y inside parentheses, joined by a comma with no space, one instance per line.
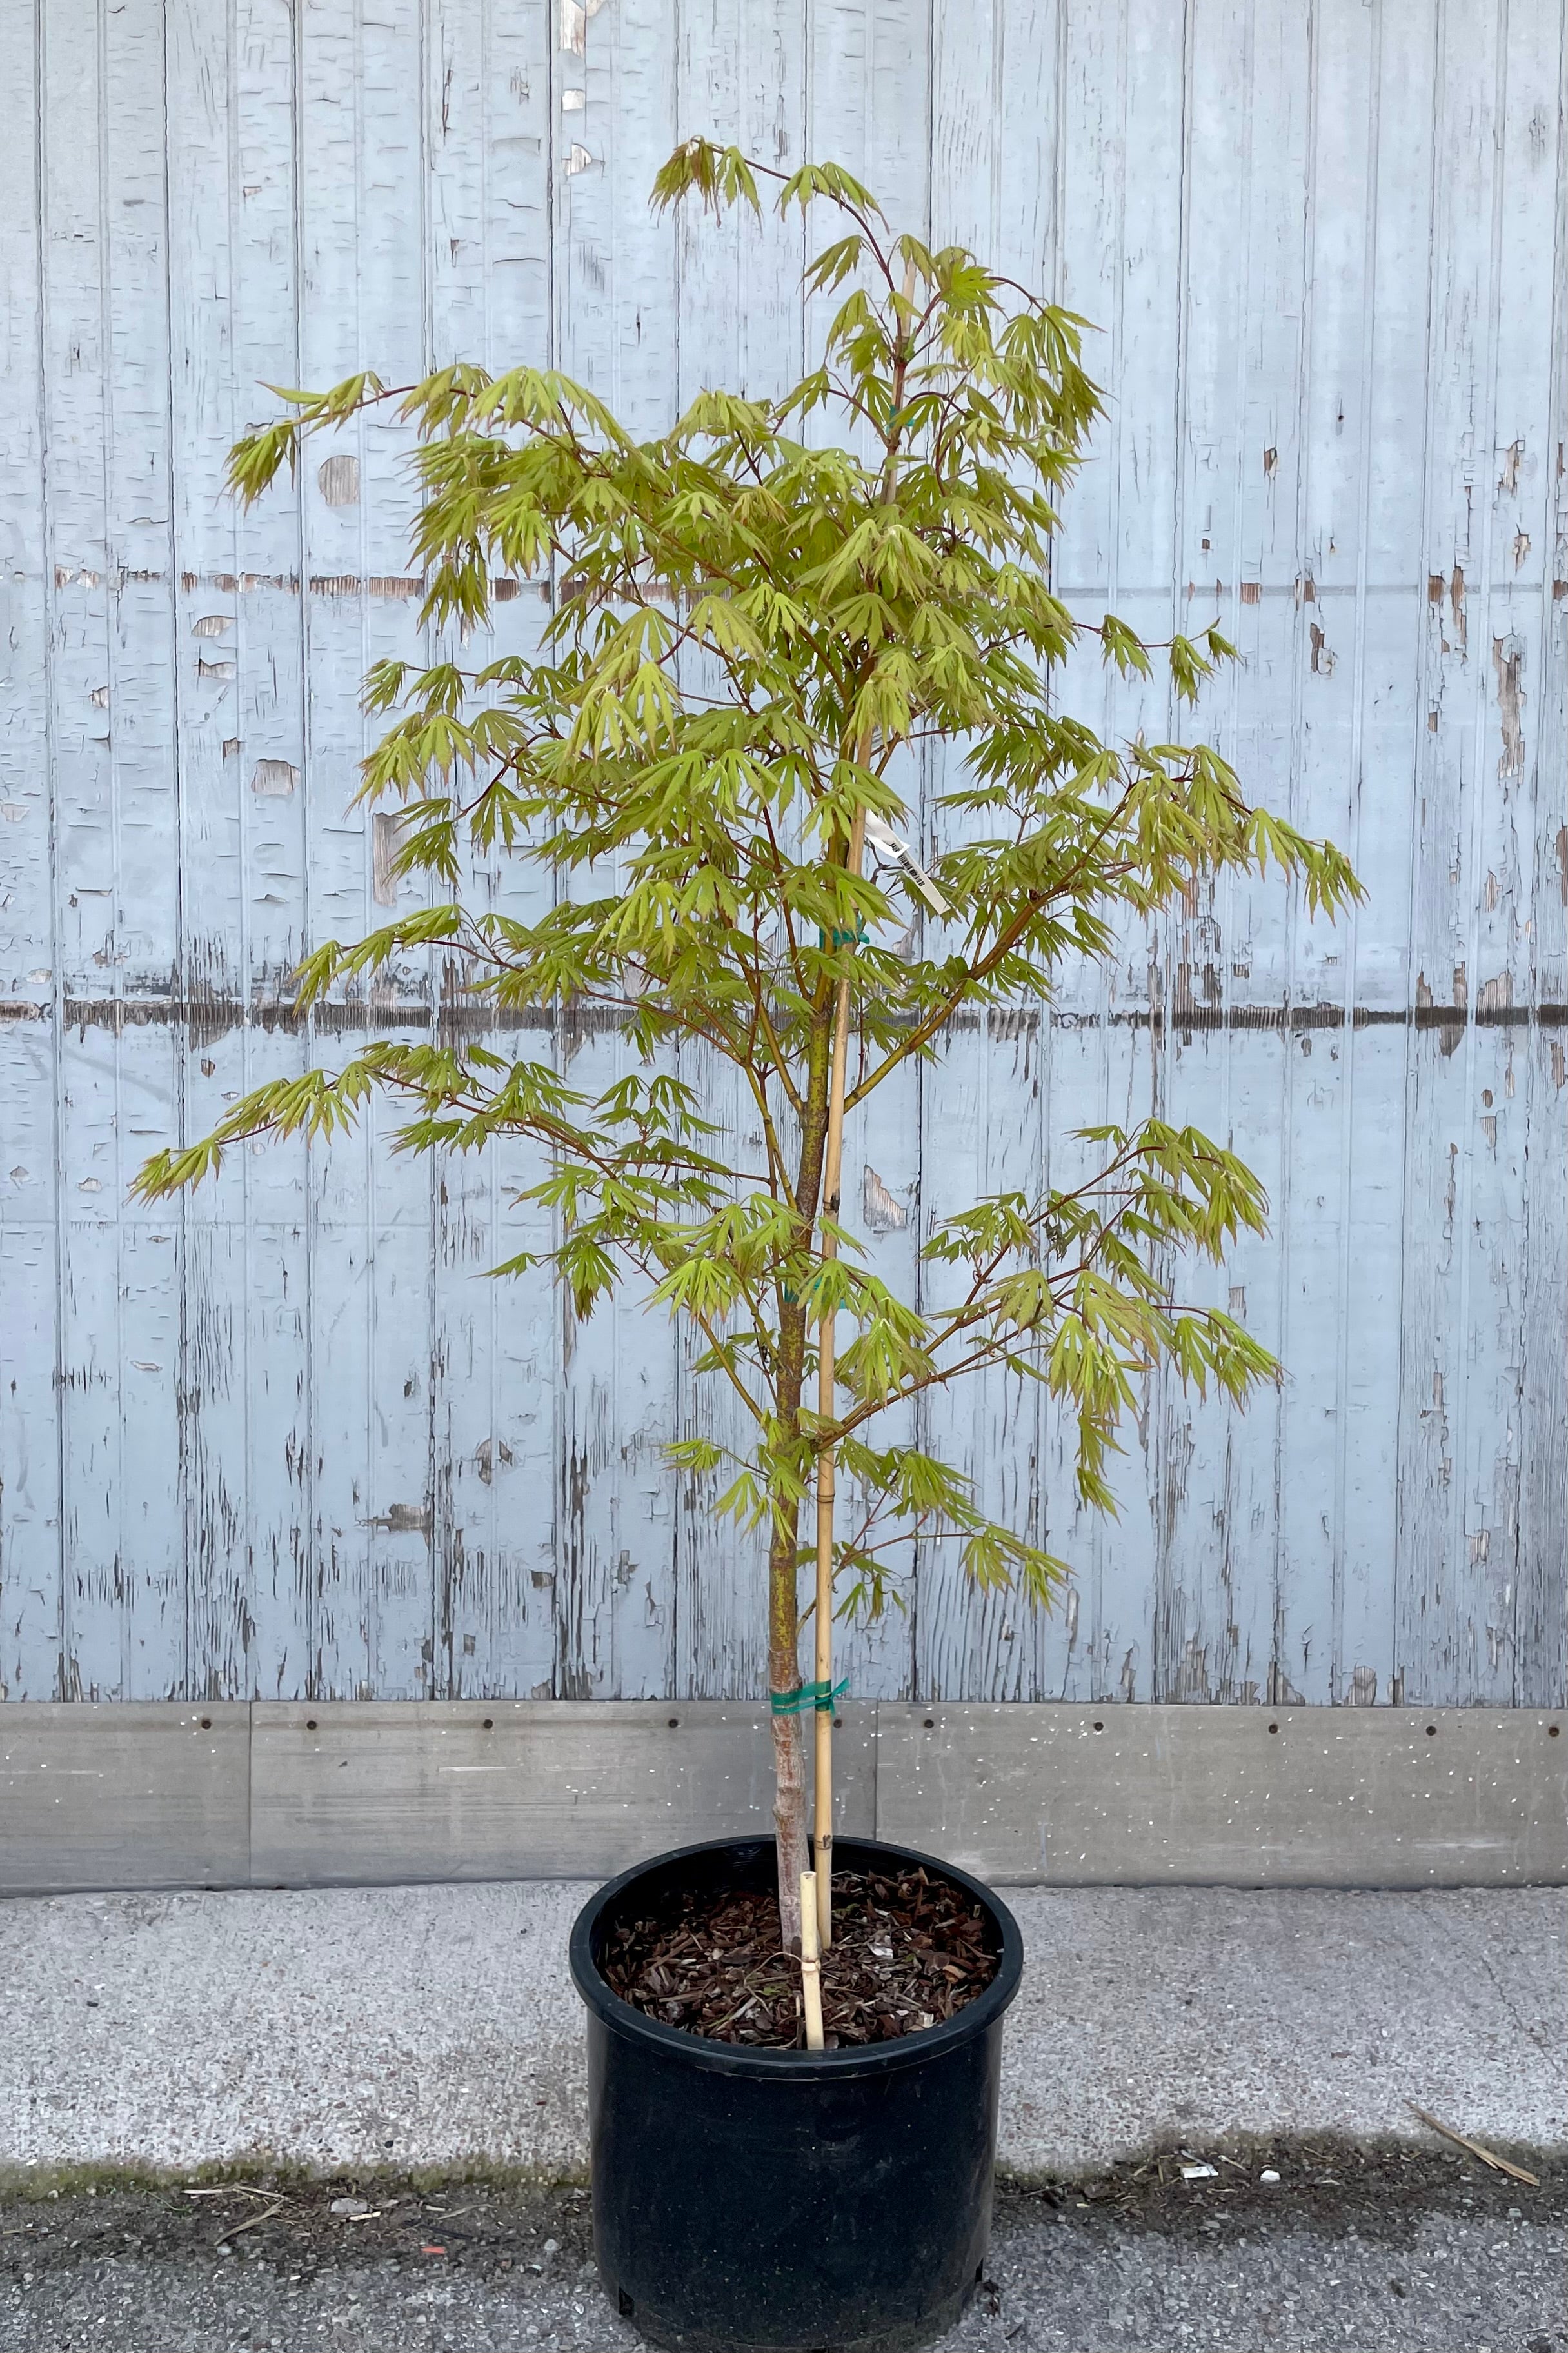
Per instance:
(212,1016)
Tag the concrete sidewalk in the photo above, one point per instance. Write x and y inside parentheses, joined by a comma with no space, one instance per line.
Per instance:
(431,2026)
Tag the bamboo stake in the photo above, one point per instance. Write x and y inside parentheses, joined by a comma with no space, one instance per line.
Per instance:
(827,1400)
(810,1961)
(832,1181)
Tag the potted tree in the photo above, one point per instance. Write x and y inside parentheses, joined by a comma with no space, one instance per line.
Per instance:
(757,623)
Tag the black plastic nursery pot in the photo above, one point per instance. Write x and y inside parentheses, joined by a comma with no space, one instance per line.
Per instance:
(781,2201)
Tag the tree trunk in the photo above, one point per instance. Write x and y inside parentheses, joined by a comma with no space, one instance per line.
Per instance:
(789,1745)
(784,1608)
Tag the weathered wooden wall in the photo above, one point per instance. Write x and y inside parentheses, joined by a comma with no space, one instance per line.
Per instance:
(285,1440)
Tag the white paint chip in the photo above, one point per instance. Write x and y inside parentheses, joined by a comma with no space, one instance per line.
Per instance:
(572,102)
(882,1212)
(98,698)
(574,16)
(385,842)
(89,1184)
(577,161)
(13,811)
(338,476)
(219,671)
(274,779)
(212,625)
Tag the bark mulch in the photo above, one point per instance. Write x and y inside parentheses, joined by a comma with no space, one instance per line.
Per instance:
(908,1951)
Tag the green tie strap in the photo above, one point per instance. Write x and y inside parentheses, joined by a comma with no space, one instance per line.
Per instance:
(805,1696)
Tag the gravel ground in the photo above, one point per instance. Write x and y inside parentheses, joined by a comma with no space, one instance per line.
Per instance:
(1387,2251)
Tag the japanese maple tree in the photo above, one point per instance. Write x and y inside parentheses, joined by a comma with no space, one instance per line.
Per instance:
(751,617)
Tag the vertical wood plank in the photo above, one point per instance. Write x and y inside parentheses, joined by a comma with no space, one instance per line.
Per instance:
(1358,715)
(1247,229)
(260,232)
(107,379)
(30,1593)
(882,1206)
(1100,1071)
(983,1134)
(494,1348)
(210,959)
(869,95)
(1516,1255)
(1444,1571)
(27,914)
(147,700)
(30,1556)
(1307,722)
(1123,239)
(239,759)
(617,330)
(72,387)
(1541,1618)
(1088,270)
(742,77)
(1371,536)
(990,1426)
(365,301)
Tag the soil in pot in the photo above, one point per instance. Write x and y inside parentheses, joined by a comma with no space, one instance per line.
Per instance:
(910,1950)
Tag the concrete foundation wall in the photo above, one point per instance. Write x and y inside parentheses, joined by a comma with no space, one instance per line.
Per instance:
(314,1794)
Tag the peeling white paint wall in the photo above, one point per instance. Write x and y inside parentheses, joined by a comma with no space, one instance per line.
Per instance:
(284,1438)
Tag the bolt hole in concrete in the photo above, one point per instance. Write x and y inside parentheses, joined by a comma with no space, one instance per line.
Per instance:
(1098,1724)
(930,1724)
(675,1723)
(1274,1727)
(1431,1732)
(206,1724)
(1551,1732)
(489,1724)
(309,1723)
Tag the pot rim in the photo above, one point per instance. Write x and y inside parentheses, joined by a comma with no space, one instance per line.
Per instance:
(625,2018)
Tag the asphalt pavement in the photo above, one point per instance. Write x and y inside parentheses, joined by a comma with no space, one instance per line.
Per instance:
(1390,2250)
